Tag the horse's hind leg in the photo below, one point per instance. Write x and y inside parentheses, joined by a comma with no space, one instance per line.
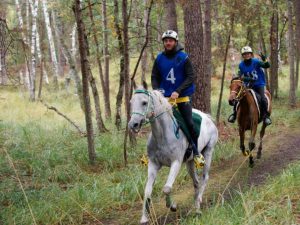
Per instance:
(191,170)
(175,167)
(207,153)
(262,133)
(152,172)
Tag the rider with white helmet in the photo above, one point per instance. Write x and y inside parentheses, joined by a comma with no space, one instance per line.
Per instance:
(251,72)
(173,73)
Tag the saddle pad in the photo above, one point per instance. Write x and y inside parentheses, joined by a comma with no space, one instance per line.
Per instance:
(257,100)
(197,122)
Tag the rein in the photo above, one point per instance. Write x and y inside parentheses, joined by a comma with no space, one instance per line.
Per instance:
(241,93)
(152,117)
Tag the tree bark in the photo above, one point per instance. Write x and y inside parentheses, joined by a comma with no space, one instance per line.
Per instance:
(3,40)
(145,53)
(73,72)
(34,8)
(20,20)
(106,61)
(291,54)
(207,53)
(85,69)
(171,15)
(194,46)
(51,43)
(118,118)
(126,66)
(230,32)
(297,16)
(274,51)
(98,58)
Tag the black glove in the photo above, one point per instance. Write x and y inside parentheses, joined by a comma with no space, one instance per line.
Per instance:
(262,56)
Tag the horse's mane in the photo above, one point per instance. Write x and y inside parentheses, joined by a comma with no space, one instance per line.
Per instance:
(161,99)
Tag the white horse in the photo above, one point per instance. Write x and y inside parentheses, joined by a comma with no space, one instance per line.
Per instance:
(166,148)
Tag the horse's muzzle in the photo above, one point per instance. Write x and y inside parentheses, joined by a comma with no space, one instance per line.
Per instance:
(232,102)
(135,126)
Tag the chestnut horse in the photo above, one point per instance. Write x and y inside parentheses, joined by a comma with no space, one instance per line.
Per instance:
(247,116)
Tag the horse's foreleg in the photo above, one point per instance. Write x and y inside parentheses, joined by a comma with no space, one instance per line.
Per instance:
(152,172)
(252,136)
(262,133)
(175,167)
(242,141)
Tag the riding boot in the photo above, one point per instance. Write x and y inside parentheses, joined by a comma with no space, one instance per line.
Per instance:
(265,114)
(199,160)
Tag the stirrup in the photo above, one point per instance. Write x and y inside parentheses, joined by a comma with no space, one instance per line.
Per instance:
(231,118)
(267,121)
(199,161)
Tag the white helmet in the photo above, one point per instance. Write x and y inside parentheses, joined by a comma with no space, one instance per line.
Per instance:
(170,34)
(246,49)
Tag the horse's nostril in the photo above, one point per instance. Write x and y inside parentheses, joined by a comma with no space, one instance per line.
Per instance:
(135,125)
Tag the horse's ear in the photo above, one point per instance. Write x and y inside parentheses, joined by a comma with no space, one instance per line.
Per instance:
(134,85)
(145,85)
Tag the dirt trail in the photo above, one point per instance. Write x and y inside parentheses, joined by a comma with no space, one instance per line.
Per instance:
(279,151)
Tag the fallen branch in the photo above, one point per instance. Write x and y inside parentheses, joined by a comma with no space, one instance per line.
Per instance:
(82,133)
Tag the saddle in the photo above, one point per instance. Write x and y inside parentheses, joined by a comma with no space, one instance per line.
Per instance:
(182,125)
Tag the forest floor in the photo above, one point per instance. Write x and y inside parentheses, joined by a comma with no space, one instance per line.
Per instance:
(279,151)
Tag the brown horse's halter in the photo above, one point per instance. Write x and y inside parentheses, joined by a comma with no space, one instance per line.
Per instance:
(241,93)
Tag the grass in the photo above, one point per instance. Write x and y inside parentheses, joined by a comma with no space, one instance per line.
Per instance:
(62,188)
(276,202)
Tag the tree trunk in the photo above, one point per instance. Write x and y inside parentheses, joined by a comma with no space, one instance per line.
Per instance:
(274,51)
(230,32)
(171,15)
(60,54)
(207,53)
(119,99)
(126,66)
(85,69)
(263,47)
(3,40)
(291,53)
(20,20)
(51,43)
(73,72)
(98,58)
(34,8)
(100,123)
(106,61)
(145,53)
(297,16)
(194,47)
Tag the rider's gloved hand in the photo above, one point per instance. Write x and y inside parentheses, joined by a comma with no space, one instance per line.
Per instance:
(262,56)
(245,78)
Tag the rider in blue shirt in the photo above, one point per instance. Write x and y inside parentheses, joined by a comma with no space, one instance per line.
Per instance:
(251,72)
(172,73)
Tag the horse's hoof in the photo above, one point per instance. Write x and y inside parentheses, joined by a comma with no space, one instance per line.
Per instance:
(246,153)
(166,190)
(198,212)
(173,207)
(258,156)
(144,221)
(251,164)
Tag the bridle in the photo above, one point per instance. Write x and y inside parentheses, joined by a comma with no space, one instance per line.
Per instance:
(242,91)
(148,114)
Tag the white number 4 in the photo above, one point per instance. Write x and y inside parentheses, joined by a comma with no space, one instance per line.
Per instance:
(171,77)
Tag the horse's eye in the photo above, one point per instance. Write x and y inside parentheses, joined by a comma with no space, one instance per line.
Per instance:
(144,103)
